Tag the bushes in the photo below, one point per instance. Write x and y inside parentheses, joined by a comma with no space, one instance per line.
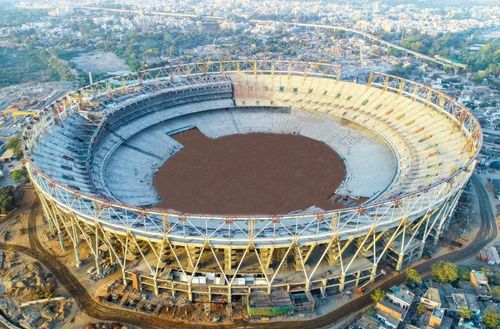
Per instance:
(18,174)
(491,319)
(445,272)
(465,313)
(14,144)
(378,295)
(6,199)
(413,276)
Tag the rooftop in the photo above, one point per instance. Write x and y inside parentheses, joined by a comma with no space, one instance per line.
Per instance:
(433,295)
(478,275)
(402,293)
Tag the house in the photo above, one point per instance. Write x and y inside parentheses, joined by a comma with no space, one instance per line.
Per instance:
(8,155)
(464,300)
(446,323)
(390,314)
(368,322)
(480,283)
(410,326)
(431,299)
(436,319)
(401,295)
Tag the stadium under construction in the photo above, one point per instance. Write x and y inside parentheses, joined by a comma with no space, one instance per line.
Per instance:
(407,152)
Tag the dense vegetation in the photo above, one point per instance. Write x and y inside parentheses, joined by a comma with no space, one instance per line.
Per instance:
(18,174)
(12,16)
(412,276)
(491,319)
(457,46)
(378,295)
(6,199)
(14,144)
(445,272)
(30,64)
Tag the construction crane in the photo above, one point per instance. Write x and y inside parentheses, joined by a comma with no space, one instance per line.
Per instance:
(17,113)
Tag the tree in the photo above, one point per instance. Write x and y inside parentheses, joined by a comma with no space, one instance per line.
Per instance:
(495,291)
(378,295)
(464,273)
(413,276)
(14,144)
(491,319)
(6,199)
(421,309)
(445,272)
(17,174)
(465,313)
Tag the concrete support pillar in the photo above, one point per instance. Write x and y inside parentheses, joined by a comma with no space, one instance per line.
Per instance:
(266,256)
(307,286)
(112,258)
(342,282)
(193,255)
(322,289)
(373,272)
(75,239)
(124,277)
(51,226)
(190,293)
(297,261)
(229,259)
(358,275)
(331,256)
(47,216)
(97,253)
(155,285)
(420,251)
(78,262)
(399,264)
(60,235)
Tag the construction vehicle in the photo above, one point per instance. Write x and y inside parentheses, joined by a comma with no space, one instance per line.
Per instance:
(17,113)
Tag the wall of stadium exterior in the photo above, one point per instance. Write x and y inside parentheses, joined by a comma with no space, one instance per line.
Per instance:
(349,244)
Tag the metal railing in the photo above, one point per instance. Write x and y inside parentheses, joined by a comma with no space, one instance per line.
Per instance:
(277,230)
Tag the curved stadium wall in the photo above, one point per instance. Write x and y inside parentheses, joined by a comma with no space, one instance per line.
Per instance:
(73,145)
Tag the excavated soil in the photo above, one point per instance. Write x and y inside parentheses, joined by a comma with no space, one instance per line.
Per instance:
(256,173)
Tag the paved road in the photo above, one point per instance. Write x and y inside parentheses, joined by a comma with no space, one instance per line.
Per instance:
(487,233)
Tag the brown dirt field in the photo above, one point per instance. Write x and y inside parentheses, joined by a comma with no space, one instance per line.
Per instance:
(249,174)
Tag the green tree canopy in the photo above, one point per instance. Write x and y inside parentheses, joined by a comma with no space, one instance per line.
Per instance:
(421,309)
(17,174)
(14,144)
(413,276)
(445,272)
(464,273)
(6,199)
(491,319)
(465,313)
(378,295)
(495,291)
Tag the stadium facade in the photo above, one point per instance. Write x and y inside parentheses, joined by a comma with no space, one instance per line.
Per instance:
(408,149)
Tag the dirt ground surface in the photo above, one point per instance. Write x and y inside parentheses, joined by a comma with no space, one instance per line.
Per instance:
(100,61)
(255,173)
